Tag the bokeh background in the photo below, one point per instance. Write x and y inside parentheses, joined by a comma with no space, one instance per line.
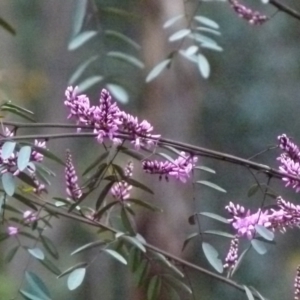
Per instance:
(252,96)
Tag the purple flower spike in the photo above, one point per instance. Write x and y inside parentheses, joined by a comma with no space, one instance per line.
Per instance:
(232,256)
(121,189)
(180,168)
(285,215)
(73,190)
(297,284)
(290,161)
(253,17)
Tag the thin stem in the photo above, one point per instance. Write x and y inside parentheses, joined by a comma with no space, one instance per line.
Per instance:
(53,209)
(286,9)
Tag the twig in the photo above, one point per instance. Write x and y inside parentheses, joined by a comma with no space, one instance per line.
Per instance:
(286,9)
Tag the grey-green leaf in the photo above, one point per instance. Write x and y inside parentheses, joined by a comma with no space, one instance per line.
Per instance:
(7,149)
(122,37)
(264,232)
(89,246)
(127,58)
(118,92)
(211,185)
(214,216)
(211,255)
(206,21)
(259,246)
(23,157)
(81,39)
(8,182)
(82,67)
(75,279)
(89,82)
(116,255)
(172,21)
(203,65)
(37,286)
(37,253)
(78,16)
(249,293)
(179,35)
(153,289)
(158,69)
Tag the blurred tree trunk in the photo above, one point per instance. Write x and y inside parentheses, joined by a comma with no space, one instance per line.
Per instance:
(171,104)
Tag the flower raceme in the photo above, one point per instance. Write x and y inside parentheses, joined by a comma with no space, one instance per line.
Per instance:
(285,214)
(107,120)
(290,161)
(180,168)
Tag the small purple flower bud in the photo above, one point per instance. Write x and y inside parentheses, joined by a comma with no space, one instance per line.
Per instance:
(297,284)
(11,230)
(29,216)
(232,256)
(73,190)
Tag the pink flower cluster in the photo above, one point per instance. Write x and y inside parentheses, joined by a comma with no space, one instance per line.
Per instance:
(290,161)
(286,214)
(180,168)
(232,256)
(107,120)
(253,17)
(121,189)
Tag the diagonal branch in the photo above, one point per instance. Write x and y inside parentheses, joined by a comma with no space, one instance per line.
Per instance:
(286,9)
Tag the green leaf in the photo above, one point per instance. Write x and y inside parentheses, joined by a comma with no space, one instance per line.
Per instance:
(219,233)
(30,296)
(81,39)
(144,204)
(17,112)
(259,246)
(50,266)
(153,289)
(122,37)
(211,185)
(118,12)
(23,157)
(239,261)
(253,190)
(81,68)
(211,255)
(97,161)
(103,194)
(205,169)
(7,26)
(18,108)
(115,255)
(75,279)
(127,58)
(8,182)
(203,39)
(71,269)
(134,241)
(142,272)
(212,46)
(258,293)
(37,286)
(138,184)
(179,35)
(89,82)
(37,253)
(203,65)
(206,21)
(248,293)
(189,238)
(49,246)
(118,92)
(99,213)
(127,222)
(191,50)
(214,216)
(264,232)
(172,21)
(7,149)
(158,69)
(78,16)
(11,254)
(205,29)
(176,283)
(89,246)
